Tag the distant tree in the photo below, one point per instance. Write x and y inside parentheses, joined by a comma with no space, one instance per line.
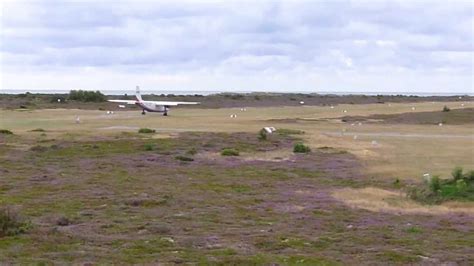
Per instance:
(86,96)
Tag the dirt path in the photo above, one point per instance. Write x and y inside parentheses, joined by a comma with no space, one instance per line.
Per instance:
(398,135)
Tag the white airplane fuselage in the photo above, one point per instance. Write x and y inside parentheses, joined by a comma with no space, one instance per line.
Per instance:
(152,107)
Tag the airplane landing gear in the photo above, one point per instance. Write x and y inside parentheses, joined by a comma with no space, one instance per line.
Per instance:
(143,112)
(165,114)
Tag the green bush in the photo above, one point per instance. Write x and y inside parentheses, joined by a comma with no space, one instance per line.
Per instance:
(10,223)
(469,176)
(262,134)
(146,130)
(229,152)
(38,130)
(285,131)
(424,195)
(301,148)
(149,146)
(86,96)
(184,158)
(435,184)
(397,183)
(446,109)
(436,190)
(6,132)
(457,173)
(461,184)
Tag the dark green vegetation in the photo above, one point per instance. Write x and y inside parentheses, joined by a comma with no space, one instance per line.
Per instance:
(6,132)
(230,152)
(37,100)
(112,201)
(38,130)
(86,96)
(10,223)
(146,130)
(446,109)
(301,148)
(459,187)
(262,134)
(285,131)
(184,158)
(149,146)
(453,117)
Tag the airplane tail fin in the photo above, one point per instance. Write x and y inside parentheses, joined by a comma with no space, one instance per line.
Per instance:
(137,94)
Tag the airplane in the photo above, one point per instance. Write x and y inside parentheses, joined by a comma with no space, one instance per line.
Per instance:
(151,106)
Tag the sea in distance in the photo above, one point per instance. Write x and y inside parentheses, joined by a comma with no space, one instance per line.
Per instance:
(206,92)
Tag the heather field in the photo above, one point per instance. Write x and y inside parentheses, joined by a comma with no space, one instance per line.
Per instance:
(100,192)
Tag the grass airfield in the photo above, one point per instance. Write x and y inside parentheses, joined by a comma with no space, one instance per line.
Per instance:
(336,205)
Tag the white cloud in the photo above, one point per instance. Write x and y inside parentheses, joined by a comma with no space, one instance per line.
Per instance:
(303,45)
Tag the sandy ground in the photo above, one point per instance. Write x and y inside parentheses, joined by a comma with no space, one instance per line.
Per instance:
(381,200)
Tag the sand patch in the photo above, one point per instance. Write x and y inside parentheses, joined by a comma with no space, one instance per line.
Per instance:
(380,200)
(268,156)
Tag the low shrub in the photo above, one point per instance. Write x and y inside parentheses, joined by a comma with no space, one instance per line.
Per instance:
(229,152)
(457,173)
(10,223)
(39,148)
(461,185)
(86,96)
(146,130)
(38,130)
(397,183)
(54,146)
(436,190)
(424,195)
(149,146)
(446,109)
(435,184)
(262,134)
(469,176)
(184,158)
(6,132)
(63,221)
(301,148)
(285,131)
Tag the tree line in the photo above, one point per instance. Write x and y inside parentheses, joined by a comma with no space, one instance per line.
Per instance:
(86,96)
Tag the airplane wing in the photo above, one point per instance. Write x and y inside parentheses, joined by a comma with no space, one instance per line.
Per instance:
(123,101)
(170,103)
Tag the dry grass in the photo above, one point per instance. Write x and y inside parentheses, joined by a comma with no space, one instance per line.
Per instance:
(393,157)
(375,199)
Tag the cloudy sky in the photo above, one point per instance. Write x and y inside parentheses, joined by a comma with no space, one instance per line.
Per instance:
(351,46)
